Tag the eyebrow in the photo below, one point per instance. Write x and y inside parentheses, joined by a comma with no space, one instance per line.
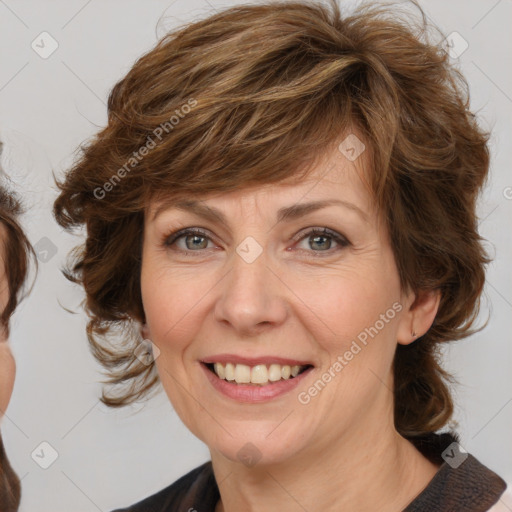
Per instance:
(287,213)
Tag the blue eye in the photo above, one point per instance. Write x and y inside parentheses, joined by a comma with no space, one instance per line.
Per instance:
(323,238)
(196,240)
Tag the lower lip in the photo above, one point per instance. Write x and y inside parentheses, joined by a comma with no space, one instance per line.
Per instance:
(252,393)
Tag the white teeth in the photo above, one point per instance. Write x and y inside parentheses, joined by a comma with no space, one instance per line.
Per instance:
(274,372)
(259,374)
(242,374)
(229,371)
(219,370)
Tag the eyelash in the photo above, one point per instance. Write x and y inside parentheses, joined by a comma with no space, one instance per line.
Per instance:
(172,238)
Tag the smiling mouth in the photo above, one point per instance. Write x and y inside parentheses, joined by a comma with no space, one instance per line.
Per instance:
(258,375)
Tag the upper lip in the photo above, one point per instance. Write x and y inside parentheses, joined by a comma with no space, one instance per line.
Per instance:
(253,361)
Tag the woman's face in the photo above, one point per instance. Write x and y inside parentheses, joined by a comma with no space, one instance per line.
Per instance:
(259,290)
(7,365)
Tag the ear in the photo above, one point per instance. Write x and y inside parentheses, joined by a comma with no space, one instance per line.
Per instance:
(145,332)
(418,316)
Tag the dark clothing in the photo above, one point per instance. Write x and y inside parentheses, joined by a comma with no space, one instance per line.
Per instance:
(469,487)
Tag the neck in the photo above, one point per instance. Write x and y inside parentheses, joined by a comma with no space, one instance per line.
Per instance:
(377,470)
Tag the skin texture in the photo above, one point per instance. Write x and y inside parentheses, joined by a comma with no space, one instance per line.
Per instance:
(341,450)
(7,364)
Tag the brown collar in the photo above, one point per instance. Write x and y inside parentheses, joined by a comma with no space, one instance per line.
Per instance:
(462,483)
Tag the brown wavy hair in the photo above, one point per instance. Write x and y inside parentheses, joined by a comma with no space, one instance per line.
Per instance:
(17,253)
(269,88)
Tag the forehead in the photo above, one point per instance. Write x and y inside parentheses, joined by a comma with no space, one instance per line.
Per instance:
(331,177)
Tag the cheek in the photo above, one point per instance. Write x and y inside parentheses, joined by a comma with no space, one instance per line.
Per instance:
(171,301)
(353,316)
(345,302)
(7,373)
(174,316)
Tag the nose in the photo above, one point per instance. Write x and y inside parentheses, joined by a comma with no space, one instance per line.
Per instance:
(252,297)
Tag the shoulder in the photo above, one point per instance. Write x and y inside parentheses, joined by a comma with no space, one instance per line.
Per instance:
(461,483)
(196,491)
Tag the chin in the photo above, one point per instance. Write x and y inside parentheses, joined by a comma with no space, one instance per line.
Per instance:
(253,454)
(254,447)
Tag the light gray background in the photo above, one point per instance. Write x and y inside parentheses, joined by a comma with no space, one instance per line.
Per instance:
(109,458)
